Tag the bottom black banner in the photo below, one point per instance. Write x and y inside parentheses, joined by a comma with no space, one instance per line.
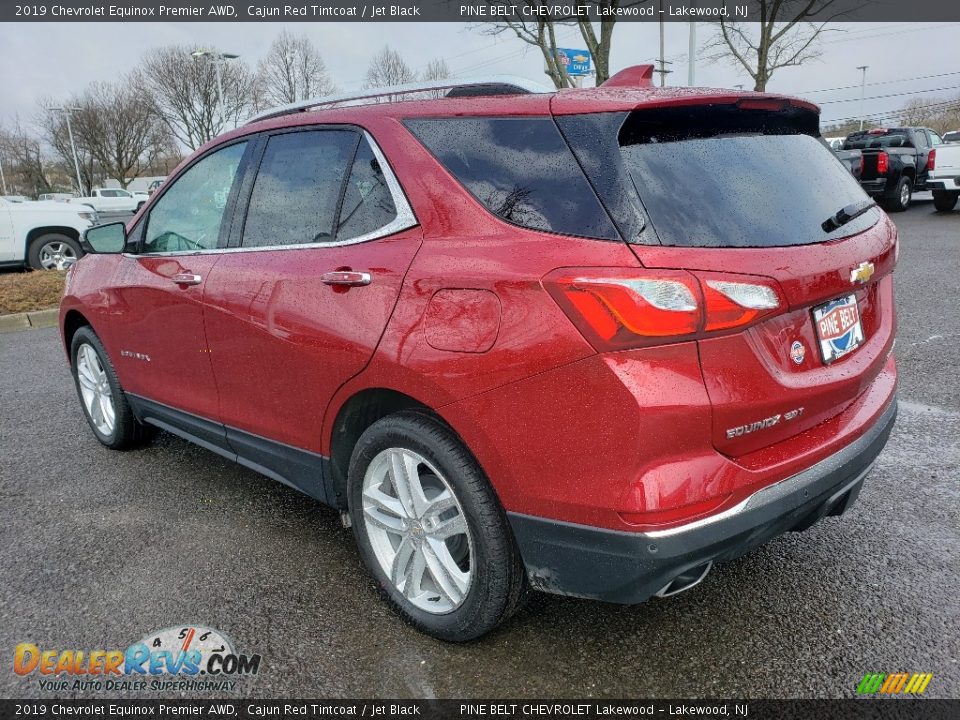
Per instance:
(234,709)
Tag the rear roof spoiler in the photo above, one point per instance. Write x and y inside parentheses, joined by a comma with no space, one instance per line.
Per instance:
(637,76)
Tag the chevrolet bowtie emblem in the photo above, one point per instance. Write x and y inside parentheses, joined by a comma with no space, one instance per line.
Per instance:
(862,272)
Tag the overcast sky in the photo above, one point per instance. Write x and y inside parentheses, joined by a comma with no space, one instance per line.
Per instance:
(56,59)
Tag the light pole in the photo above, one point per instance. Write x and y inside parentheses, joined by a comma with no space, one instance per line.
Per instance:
(863,86)
(217,57)
(692,53)
(73,145)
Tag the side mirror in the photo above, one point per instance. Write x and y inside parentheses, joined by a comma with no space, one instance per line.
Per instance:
(107,239)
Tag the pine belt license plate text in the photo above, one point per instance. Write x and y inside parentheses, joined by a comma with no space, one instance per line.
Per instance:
(838,327)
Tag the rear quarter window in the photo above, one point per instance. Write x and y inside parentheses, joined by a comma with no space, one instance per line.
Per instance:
(521,169)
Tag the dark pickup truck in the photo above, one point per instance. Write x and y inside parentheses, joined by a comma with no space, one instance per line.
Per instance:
(895,162)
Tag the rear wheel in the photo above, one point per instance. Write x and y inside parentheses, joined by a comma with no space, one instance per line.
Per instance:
(103,400)
(53,251)
(902,197)
(431,530)
(944,201)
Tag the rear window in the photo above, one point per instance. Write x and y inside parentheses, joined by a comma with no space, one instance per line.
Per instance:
(869,140)
(723,177)
(520,169)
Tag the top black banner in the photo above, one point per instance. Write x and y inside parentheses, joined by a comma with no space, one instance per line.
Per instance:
(473,10)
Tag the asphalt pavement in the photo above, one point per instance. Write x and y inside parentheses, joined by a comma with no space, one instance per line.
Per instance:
(98,548)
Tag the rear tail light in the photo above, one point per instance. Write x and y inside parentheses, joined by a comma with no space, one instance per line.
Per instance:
(622,308)
(932,160)
(883,162)
(735,304)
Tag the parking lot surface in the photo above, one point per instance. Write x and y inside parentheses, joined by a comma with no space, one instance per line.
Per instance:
(98,548)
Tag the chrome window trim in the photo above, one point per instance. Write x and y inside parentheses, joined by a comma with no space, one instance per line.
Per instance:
(404,220)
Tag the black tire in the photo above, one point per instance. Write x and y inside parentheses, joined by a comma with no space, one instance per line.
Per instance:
(38,244)
(139,206)
(944,201)
(901,199)
(498,583)
(127,431)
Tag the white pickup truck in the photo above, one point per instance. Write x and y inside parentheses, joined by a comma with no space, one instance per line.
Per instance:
(944,178)
(43,235)
(111,200)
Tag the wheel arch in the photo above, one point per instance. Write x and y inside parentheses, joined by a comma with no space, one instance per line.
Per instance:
(39,232)
(73,321)
(354,416)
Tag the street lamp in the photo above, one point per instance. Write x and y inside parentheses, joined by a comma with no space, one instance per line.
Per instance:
(73,145)
(863,85)
(218,58)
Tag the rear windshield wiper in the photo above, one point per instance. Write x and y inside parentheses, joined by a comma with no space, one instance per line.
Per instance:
(846,214)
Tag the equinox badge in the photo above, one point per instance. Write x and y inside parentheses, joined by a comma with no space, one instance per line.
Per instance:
(769,422)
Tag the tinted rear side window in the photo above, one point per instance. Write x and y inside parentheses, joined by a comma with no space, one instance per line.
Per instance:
(298,188)
(521,169)
(367,202)
(730,178)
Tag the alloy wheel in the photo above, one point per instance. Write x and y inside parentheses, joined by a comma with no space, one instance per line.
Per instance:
(418,530)
(56,255)
(95,390)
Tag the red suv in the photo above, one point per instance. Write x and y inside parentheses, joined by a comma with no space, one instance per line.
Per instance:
(590,342)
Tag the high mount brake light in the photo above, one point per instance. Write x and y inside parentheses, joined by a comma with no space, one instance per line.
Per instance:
(620,308)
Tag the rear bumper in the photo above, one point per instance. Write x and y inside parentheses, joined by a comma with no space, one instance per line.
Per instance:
(628,568)
(950,184)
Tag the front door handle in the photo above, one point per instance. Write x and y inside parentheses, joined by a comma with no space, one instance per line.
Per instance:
(187,278)
(346,277)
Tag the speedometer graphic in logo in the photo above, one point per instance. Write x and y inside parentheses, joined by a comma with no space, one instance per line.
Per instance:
(185,639)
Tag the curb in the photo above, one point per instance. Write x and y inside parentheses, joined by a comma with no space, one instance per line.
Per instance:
(24,321)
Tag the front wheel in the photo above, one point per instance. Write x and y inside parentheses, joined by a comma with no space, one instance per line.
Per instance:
(944,201)
(103,400)
(902,197)
(53,251)
(431,530)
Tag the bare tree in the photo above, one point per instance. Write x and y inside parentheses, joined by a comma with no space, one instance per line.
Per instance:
(939,114)
(293,70)
(185,95)
(437,69)
(540,30)
(53,123)
(785,35)
(116,126)
(388,68)
(26,166)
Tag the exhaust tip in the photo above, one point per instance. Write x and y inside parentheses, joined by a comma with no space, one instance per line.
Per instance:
(685,580)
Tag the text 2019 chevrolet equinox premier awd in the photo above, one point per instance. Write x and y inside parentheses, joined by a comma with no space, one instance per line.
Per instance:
(590,342)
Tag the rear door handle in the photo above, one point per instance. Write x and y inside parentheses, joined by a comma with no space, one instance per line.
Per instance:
(187,278)
(346,277)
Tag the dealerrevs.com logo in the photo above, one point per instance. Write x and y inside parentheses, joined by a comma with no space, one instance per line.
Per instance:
(190,657)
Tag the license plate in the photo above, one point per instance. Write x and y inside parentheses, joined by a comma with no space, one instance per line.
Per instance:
(838,327)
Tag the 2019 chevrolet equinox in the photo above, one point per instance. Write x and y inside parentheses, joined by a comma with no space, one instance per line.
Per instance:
(590,342)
